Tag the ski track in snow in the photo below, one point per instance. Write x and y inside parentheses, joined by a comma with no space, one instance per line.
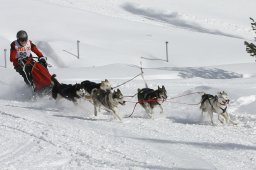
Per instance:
(63,136)
(48,135)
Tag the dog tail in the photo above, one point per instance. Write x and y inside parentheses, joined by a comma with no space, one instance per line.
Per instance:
(94,91)
(54,80)
(55,86)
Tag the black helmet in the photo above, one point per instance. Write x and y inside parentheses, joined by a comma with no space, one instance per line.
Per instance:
(22,35)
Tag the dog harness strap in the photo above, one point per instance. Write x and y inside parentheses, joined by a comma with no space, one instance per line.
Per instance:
(215,98)
(224,110)
(210,101)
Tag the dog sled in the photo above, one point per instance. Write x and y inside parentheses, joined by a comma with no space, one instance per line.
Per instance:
(41,79)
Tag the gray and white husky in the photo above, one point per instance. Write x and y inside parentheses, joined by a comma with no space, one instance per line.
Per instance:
(218,104)
(110,100)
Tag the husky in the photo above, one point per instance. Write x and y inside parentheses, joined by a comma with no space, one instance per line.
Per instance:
(149,98)
(89,86)
(67,91)
(110,100)
(217,104)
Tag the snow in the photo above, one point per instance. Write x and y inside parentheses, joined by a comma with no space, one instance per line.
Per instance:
(206,54)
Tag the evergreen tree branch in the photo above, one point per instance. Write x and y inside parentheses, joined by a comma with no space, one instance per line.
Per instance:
(253,24)
(250,48)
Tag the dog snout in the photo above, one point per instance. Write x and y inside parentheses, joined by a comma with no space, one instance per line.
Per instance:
(164,97)
(227,101)
(122,103)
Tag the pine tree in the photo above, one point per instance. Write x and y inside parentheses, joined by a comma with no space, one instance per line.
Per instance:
(250,47)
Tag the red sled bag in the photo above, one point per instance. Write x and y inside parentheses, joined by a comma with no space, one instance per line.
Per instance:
(41,77)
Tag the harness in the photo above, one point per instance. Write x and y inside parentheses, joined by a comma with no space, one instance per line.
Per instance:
(208,97)
(150,96)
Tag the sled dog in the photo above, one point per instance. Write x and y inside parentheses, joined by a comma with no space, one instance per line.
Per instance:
(67,91)
(149,98)
(89,86)
(108,99)
(217,104)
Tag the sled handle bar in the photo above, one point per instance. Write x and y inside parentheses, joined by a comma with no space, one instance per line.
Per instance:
(49,65)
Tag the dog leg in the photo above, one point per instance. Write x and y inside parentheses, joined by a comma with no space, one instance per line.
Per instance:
(222,121)
(75,102)
(115,111)
(162,110)
(211,116)
(148,112)
(99,108)
(202,116)
(95,108)
(95,111)
(228,120)
(148,109)
(57,99)
(226,117)
(233,123)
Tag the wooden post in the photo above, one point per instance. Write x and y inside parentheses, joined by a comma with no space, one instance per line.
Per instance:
(167,58)
(142,75)
(78,53)
(5,58)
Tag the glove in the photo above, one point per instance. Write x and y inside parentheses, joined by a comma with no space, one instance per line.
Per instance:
(42,61)
(21,63)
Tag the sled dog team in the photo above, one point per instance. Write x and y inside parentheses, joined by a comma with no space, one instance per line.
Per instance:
(102,95)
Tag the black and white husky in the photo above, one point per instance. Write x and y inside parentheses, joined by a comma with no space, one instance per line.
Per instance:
(149,98)
(218,104)
(67,91)
(108,99)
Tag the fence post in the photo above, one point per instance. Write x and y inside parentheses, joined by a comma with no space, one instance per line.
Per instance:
(5,58)
(78,49)
(167,58)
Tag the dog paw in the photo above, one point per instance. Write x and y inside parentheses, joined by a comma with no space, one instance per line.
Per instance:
(234,123)
(214,124)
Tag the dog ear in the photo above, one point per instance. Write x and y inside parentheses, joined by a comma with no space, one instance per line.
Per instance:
(158,87)
(118,91)
(163,87)
(106,80)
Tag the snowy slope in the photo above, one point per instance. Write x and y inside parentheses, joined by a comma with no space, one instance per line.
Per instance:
(206,55)
(123,31)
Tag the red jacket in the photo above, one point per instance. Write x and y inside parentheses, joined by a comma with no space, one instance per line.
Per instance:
(18,51)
